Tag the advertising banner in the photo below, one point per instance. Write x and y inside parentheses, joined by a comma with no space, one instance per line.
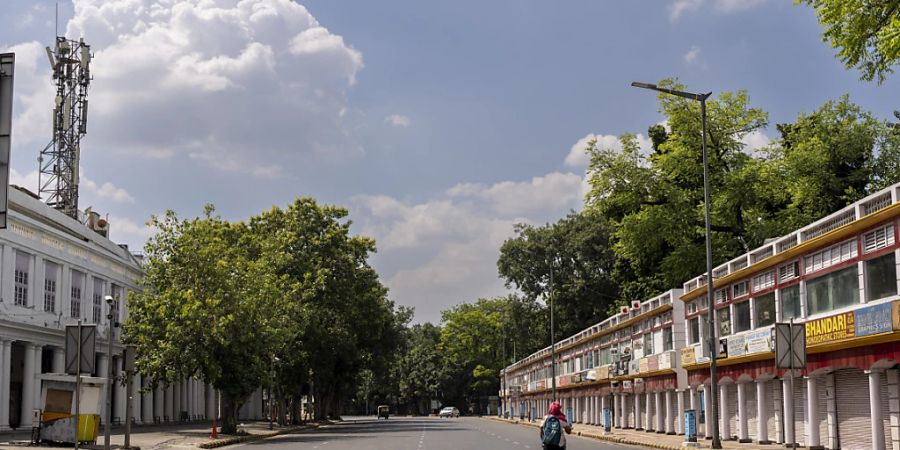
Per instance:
(665,360)
(737,345)
(603,373)
(653,363)
(688,356)
(643,365)
(759,342)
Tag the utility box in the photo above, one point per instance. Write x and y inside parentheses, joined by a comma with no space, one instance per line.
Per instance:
(58,421)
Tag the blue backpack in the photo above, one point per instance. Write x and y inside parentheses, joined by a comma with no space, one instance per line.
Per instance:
(552,431)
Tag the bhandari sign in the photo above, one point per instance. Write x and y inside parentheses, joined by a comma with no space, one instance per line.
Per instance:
(831,329)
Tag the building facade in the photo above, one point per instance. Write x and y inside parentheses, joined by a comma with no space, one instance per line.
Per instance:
(53,272)
(838,277)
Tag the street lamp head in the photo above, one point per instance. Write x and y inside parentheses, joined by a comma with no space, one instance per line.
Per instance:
(643,85)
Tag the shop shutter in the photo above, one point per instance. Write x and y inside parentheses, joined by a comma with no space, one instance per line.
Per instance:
(885,412)
(854,421)
(750,407)
(776,421)
(629,408)
(800,410)
(651,411)
(732,411)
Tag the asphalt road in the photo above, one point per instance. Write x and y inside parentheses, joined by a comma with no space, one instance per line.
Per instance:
(400,433)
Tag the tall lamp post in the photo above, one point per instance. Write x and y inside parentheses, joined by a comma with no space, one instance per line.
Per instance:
(713,339)
(552,333)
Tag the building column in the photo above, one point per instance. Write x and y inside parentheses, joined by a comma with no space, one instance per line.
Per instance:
(648,408)
(176,401)
(617,406)
(788,399)
(670,418)
(147,402)
(875,409)
(59,360)
(170,402)
(707,405)
(137,405)
(660,414)
(28,383)
(102,367)
(725,423)
(121,392)
(211,402)
(831,410)
(812,413)
(679,411)
(638,424)
(743,428)
(762,413)
(5,370)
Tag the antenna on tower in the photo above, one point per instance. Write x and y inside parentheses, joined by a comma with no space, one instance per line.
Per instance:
(58,162)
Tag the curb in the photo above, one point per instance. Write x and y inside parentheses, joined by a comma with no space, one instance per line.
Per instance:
(251,437)
(616,440)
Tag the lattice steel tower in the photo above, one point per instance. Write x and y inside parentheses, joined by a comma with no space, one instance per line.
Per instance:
(58,178)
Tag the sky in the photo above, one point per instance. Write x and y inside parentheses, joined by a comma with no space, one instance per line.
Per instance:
(439,125)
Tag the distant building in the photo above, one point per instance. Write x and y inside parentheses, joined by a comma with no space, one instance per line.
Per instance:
(837,276)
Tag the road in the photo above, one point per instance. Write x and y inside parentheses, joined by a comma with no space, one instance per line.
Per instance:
(420,434)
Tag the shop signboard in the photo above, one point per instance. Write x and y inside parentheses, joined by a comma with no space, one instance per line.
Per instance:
(700,355)
(723,349)
(563,381)
(591,375)
(895,314)
(634,367)
(737,345)
(831,329)
(688,356)
(665,360)
(873,320)
(603,373)
(541,385)
(759,341)
(626,386)
(653,363)
(643,365)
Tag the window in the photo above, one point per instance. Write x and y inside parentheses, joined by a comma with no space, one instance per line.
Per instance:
(695,330)
(881,277)
(98,300)
(834,290)
(741,316)
(116,292)
(724,317)
(739,289)
(721,296)
(51,277)
(667,339)
(831,256)
(75,300)
(790,302)
(765,310)
(764,281)
(878,239)
(648,344)
(23,264)
(788,272)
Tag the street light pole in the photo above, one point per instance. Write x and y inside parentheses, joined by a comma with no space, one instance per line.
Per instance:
(713,338)
(552,338)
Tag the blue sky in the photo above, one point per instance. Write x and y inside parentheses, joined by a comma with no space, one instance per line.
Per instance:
(439,124)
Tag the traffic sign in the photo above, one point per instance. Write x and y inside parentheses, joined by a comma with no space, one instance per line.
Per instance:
(790,345)
(88,348)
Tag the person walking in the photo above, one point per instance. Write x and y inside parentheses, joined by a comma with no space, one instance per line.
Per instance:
(554,428)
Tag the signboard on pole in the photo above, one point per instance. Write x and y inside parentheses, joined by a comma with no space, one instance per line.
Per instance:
(88,349)
(790,345)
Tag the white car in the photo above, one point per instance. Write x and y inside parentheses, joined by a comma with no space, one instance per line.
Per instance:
(449,412)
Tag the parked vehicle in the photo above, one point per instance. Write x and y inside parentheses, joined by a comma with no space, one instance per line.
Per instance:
(449,411)
(383,411)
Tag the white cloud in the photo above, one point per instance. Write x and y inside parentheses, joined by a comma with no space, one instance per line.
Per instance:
(125,230)
(692,54)
(105,191)
(756,140)
(397,120)
(578,156)
(226,83)
(678,7)
(443,250)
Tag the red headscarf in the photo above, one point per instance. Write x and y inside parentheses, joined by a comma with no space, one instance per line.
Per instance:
(556,410)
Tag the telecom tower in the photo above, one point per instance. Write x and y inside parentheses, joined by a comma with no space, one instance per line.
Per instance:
(58,178)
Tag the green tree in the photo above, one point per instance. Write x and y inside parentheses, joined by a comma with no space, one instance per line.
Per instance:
(578,252)
(207,309)
(865,32)
(422,372)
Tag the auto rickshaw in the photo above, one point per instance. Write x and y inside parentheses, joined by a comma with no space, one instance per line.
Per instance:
(383,411)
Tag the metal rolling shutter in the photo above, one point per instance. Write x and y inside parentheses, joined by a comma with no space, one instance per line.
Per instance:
(822,410)
(651,411)
(732,411)
(750,407)
(800,410)
(776,427)
(852,397)
(885,412)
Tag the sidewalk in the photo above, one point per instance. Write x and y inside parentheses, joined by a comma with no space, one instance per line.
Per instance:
(640,438)
(158,437)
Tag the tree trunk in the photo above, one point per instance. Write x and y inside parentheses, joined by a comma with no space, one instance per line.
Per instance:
(230,407)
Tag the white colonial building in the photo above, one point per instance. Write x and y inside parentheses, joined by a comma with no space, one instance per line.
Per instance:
(54,271)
